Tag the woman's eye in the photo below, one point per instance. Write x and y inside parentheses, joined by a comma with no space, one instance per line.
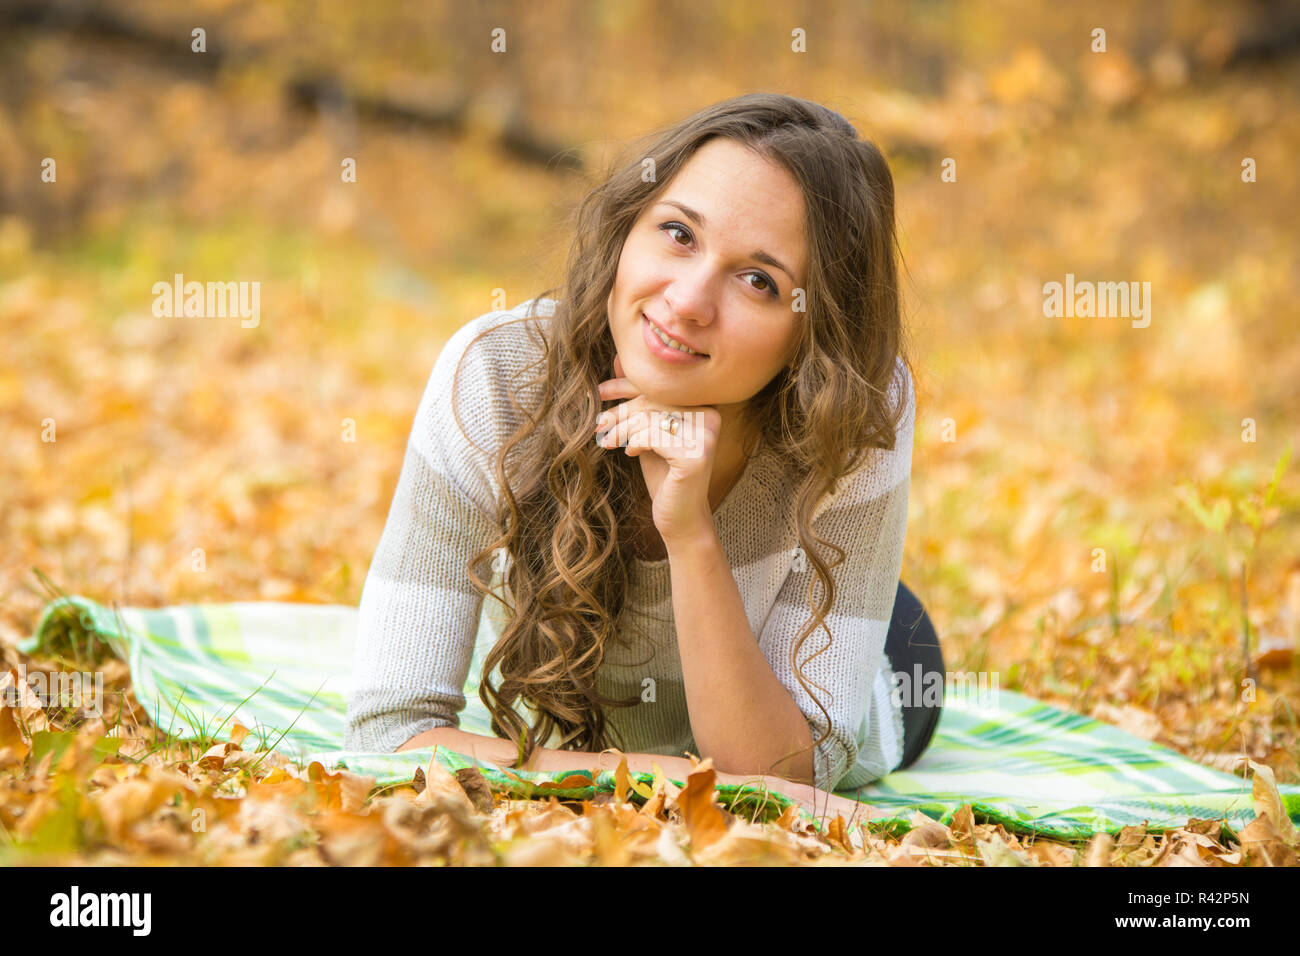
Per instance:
(671,227)
(772,291)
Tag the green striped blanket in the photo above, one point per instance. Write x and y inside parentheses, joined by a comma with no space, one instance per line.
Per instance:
(283,669)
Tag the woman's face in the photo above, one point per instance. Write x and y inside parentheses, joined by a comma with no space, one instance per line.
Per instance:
(713,262)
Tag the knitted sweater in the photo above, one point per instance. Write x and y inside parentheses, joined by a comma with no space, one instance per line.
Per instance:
(423,630)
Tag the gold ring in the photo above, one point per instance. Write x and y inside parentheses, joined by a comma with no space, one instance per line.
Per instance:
(670,422)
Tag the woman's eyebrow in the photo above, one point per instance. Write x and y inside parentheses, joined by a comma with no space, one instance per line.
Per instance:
(700,221)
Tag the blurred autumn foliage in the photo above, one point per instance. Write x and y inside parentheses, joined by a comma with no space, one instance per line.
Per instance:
(1104,515)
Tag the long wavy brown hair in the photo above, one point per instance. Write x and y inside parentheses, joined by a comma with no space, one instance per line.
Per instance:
(568,509)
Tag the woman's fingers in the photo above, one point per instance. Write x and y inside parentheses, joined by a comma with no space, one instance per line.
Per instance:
(613,388)
(625,420)
(634,426)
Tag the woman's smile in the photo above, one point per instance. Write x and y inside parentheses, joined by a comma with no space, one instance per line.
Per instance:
(662,350)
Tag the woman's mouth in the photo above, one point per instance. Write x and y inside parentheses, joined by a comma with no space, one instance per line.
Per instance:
(659,345)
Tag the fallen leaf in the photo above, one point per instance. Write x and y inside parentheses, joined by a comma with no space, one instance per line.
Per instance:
(126,802)
(544,850)
(622,780)
(1099,850)
(1051,854)
(927,832)
(1268,802)
(837,834)
(477,788)
(574,834)
(1260,843)
(214,757)
(441,785)
(963,826)
(996,852)
(786,821)
(537,817)
(746,843)
(705,820)
(349,839)
(279,785)
(354,789)
(669,847)
(575,781)
(654,807)
(898,855)
(1275,653)
(1184,855)
(607,840)
(14,747)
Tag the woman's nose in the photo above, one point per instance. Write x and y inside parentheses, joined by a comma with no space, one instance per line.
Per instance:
(691,299)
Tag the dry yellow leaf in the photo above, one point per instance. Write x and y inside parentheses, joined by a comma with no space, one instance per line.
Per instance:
(1099,850)
(1268,802)
(441,784)
(1260,843)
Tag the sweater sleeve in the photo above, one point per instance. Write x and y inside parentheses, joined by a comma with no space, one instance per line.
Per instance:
(866,516)
(419,614)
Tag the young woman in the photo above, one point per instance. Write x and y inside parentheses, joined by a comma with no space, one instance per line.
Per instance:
(709,564)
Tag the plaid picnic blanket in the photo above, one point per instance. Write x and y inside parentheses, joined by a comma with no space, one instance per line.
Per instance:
(283,670)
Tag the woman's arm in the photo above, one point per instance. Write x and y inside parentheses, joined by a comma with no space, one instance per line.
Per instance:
(741,714)
(501,752)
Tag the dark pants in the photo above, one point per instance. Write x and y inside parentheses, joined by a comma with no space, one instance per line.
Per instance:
(912,641)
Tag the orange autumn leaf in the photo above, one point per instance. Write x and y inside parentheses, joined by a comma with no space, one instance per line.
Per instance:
(126,802)
(788,817)
(705,820)
(277,786)
(654,806)
(622,779)
(837,834)
(340,790)
(575,781)
(13,746)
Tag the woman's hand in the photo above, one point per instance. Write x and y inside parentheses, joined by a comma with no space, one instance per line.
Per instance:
(676,468)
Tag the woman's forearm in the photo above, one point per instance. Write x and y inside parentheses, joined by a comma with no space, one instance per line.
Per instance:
(501,752)
(741,713)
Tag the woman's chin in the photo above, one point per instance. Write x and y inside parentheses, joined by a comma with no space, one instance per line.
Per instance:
(669,396)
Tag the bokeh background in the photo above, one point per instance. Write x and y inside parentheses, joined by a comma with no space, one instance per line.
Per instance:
(1038,440)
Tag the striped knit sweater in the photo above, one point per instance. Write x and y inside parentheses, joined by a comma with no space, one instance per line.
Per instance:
(423,630)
